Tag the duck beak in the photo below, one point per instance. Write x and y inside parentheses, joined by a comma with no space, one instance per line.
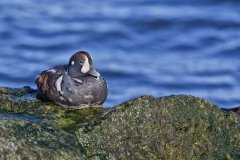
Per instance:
(94,73)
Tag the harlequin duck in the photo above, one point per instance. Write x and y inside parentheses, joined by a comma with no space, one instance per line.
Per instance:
(76,85)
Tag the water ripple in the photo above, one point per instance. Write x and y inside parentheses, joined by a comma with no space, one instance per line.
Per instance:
(141,47)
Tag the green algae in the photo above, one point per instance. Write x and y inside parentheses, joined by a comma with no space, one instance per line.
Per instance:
(3,90)
(235,111)
(56,115)
(173,127)
(39,130)
(17,91)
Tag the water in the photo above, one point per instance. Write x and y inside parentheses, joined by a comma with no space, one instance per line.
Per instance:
(140,47)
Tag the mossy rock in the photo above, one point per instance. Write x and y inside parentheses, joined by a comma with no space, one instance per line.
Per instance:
(173,127)
(235,111)
(31,129)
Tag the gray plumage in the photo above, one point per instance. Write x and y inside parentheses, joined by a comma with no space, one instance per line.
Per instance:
(75,85)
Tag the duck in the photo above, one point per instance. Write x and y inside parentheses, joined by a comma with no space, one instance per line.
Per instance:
(74,85)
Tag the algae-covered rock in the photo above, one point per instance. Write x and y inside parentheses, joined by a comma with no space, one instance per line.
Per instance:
(235,111)
(173,127)
(31,129)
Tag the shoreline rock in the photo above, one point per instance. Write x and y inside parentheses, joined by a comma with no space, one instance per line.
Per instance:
(172,127)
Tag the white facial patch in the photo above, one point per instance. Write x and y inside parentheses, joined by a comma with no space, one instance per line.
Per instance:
(58,85)
(72,63)
(86,66)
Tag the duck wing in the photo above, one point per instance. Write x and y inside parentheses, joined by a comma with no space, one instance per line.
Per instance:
(46,80)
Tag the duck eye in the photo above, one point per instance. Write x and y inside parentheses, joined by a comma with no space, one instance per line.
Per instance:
(81,62)
(72,63)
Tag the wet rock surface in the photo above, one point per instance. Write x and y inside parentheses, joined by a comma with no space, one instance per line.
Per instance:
(173,127)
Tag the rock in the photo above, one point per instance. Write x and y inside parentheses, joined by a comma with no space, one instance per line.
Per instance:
(235,111)
(173,127)
(31,129)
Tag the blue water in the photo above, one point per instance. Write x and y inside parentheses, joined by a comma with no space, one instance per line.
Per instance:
(140,47)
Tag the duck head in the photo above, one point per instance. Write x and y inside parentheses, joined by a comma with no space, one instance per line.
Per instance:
(81,64)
